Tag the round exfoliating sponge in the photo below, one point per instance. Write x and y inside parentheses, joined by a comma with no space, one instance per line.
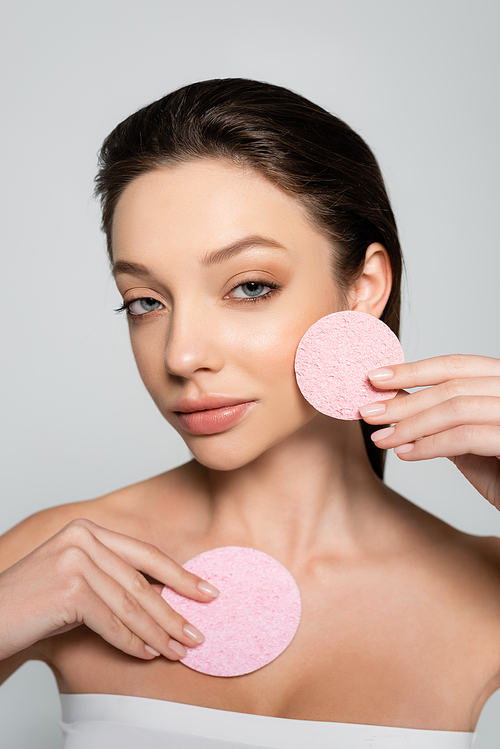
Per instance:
(253,619)
(334,357)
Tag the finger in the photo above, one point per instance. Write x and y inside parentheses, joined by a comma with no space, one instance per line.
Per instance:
(433,371)
(471,410)
(152,561)
(114,614)
(101,620)
(61,630)
(82,602)
(138,593)
(379,412)
(483,473)
(405,405)
(462,440)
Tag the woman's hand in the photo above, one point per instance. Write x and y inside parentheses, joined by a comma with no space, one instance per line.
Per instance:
(458,418)
(89,575)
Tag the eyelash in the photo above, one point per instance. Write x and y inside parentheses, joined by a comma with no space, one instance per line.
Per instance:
(125,306)
(270,285)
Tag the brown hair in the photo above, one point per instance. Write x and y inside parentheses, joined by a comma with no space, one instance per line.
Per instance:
(294,143)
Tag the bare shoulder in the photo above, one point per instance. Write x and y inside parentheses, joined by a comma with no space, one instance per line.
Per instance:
(458,571)
(471,599)
(129,510)
(450,581)
(457,575)
(474,558)
(430,538)
(483,553)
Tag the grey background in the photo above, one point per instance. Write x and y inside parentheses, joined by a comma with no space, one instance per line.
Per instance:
(419,81)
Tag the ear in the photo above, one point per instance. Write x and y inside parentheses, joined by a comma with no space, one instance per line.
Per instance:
(371,290)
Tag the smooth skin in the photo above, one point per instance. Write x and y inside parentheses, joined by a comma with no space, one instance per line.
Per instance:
(87,574)
(401,613)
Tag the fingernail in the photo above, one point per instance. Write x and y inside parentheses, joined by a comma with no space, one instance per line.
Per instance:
(382,433)
(177,648)
(408,447)
(380,375)
(207,588)
(151,650)
(193,633)
(373,409)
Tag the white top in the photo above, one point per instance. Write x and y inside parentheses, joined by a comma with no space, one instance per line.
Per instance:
(109,721)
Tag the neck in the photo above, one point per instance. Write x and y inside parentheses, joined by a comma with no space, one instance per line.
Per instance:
(311,492)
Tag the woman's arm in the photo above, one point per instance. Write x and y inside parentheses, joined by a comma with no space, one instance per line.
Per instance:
(458,418)
(87,574)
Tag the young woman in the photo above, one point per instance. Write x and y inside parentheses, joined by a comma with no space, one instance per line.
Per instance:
(237,214)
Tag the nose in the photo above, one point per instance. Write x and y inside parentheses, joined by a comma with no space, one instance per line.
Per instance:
(193,344)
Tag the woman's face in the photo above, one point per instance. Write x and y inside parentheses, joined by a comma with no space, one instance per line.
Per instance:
(221,273)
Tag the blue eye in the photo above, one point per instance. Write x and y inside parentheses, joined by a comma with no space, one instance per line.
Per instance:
(143,305)
(252,290)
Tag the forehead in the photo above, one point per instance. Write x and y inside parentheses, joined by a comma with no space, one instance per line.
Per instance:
(204,204)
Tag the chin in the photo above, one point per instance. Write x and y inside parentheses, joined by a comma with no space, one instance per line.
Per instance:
(228,451)
(223,459)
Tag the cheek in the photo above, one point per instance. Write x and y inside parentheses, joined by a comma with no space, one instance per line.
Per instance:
(148,354)
(273,349)
(275,337)
(264,353)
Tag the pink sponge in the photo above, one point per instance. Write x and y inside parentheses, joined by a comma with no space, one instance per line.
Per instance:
(334,357)
(253,619)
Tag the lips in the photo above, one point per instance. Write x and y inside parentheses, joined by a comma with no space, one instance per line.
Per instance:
(213,420)
(188,405)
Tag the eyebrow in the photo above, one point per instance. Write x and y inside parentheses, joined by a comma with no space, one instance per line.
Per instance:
(207,261)
(131,269)
(220,256)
